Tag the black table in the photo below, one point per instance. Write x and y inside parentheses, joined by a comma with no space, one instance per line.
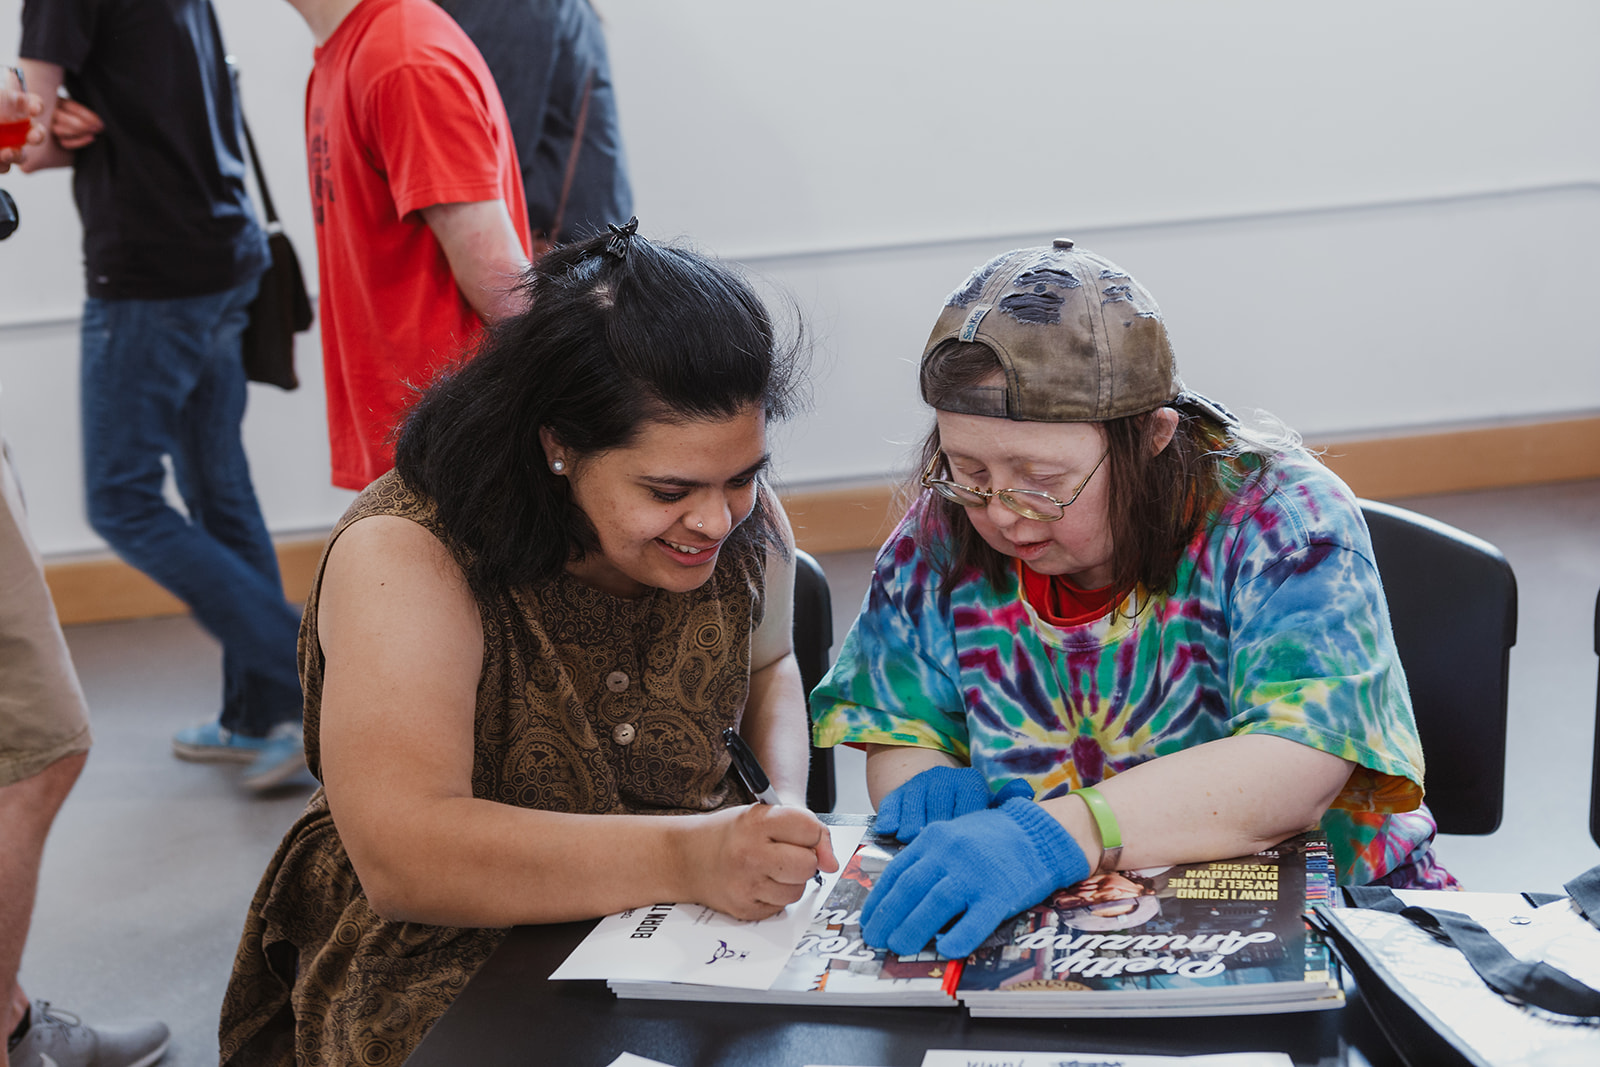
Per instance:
(510,1013)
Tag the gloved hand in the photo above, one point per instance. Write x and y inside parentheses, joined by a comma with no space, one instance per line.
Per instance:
(983,867)
(940,793)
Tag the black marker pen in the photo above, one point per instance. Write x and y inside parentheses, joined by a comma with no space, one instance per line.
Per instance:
(749,770)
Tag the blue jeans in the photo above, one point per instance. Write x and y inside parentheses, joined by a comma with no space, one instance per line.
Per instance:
(165,378)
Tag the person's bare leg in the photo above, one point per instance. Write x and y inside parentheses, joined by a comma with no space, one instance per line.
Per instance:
(27,808)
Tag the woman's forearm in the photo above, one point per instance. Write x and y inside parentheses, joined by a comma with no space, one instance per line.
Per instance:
(888,766)
(1229,797)
(461,861)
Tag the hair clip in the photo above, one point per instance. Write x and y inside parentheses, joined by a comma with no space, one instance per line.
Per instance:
(617,243)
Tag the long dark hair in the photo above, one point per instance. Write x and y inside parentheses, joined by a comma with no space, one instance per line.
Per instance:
(660,333)
(1156,503)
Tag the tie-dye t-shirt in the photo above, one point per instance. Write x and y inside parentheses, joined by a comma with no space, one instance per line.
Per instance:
(1277,625)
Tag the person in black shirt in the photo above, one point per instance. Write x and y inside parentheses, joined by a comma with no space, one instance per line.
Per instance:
(172,257)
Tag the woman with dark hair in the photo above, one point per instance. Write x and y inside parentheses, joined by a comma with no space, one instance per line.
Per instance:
(524,643)
(1112,596)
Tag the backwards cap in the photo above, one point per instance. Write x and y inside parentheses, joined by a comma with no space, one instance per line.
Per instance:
(1078,338)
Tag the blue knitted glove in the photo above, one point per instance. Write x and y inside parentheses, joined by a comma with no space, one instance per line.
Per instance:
(937,794)
(981,868)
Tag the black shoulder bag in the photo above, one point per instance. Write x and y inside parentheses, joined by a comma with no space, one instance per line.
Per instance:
(282,308)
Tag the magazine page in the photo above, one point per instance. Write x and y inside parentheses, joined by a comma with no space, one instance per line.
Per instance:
(694,943)
(831,956)
(1224,932)
(830,963)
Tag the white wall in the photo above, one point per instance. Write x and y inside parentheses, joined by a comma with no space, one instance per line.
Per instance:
(1360,216)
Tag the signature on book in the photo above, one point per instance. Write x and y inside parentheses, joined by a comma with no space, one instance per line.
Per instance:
(723,952)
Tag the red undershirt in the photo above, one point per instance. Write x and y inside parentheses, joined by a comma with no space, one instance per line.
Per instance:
(1060,603)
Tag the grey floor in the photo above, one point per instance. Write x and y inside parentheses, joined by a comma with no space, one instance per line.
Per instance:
(152,862)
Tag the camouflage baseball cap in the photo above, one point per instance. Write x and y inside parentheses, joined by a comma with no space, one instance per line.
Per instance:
(1078,338)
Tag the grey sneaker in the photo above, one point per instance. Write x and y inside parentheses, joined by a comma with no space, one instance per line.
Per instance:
(281,757)
(57,1038)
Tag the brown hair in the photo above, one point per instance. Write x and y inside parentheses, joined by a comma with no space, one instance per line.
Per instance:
(1156,503)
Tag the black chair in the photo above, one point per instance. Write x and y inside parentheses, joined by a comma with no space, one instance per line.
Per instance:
(1594,786)
(813,641)
(1453,603)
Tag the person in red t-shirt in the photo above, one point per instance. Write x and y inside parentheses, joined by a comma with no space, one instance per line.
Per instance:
(422,228)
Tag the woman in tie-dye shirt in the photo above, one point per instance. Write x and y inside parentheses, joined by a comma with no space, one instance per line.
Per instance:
(1108,582)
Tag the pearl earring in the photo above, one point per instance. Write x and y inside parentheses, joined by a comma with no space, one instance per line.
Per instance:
(558,466)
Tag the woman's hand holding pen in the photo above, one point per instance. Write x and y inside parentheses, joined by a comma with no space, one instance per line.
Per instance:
(751,862)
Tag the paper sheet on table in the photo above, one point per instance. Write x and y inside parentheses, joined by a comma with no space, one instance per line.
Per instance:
(693,943)
(966,1058)
(628,1059)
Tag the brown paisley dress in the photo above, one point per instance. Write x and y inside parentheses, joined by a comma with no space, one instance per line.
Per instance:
(587,703)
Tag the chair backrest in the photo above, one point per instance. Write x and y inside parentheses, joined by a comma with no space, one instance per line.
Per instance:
(813,641)
(1594,786)
(1453,604)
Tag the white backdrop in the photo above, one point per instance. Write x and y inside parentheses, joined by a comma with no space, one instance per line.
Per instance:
(1363,217)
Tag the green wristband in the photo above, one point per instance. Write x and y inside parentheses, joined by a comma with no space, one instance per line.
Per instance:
(1105,821)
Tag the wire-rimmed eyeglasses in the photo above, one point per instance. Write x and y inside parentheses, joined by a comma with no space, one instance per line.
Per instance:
(1028,503)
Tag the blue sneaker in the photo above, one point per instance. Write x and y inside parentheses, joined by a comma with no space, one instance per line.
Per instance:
(213,743)
(281,756)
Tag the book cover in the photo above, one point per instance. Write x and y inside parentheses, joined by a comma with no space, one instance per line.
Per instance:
(1196,938)
(830,963)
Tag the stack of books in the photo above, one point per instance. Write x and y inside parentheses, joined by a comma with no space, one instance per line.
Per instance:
(1197,939)
(1225,937)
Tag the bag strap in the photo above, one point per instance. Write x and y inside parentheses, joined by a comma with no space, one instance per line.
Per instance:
(1585,891)
(250,146)
(554,232)
(1534,982)
(261,175)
